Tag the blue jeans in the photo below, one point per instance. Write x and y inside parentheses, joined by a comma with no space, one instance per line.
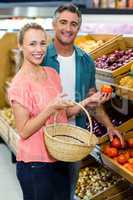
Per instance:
(40,181)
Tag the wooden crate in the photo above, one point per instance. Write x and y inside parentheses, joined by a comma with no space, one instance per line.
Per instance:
(124,92)
(126,194)
(123,184)
(110,47)
(4,129)
(113,164)
(123,128)
(96,37)
(9,135)
(112,191)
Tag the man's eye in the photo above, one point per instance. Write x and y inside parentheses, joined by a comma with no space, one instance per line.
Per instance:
(75,25)
(62,22)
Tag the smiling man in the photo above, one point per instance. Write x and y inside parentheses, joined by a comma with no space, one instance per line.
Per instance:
(76,69)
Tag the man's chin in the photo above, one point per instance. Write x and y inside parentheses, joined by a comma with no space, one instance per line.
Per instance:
(67,42)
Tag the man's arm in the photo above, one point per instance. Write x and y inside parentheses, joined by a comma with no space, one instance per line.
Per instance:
(102,117)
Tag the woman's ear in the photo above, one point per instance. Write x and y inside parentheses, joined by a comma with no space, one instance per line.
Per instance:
(19,47)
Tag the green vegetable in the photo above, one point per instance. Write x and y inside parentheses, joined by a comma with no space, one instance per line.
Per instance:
(130,73)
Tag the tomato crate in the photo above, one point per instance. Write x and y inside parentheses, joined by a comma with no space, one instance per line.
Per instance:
(113,163)
(92,42)
(125,127)
(106,74)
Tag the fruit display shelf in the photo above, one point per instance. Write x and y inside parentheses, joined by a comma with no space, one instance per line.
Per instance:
(7,130)
(91,42)
(113,59)
(114,164)
(124,91)
(97,182)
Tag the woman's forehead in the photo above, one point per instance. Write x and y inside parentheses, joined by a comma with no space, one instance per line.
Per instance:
(36,33)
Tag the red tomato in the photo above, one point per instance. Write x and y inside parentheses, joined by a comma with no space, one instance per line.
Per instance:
(130,142)
(112,152)
(122,159)
(106,89)
(116,143)
(106,149)
(131,153)
(130,160)
(127,154)
(129,166)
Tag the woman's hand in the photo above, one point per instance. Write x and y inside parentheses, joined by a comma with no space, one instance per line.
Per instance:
(59,103)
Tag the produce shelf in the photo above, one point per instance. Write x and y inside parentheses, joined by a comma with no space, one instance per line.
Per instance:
(114,165)
(121,44)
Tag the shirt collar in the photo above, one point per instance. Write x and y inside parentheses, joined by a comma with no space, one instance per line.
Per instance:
(53,52)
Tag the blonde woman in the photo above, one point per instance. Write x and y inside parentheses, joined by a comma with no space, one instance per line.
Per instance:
(35,95)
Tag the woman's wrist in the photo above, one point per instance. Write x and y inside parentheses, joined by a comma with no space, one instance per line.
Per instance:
(50,110)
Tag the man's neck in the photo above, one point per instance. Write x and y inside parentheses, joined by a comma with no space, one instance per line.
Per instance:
(63,50)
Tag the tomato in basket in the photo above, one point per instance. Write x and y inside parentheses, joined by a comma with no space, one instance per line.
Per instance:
(106,89)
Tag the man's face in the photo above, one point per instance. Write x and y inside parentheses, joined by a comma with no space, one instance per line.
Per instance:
(66,27)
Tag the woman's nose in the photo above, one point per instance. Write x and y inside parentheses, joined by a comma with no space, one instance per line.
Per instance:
(40,48)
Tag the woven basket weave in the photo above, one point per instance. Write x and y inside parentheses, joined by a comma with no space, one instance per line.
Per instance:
(69,143)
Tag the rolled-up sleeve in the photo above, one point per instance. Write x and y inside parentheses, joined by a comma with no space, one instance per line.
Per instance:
(21,94)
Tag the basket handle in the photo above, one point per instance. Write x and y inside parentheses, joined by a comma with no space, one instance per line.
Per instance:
(87,113)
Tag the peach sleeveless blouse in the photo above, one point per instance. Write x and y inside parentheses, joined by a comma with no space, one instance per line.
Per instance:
(35,97)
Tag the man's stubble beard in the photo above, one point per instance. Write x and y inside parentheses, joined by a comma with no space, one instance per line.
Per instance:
(64,43)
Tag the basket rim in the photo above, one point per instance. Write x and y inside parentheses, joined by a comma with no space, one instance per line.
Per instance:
(64,142)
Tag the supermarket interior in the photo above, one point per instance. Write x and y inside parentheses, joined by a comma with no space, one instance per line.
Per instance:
(106,35)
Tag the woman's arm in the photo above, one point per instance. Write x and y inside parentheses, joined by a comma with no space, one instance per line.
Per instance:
(25,125)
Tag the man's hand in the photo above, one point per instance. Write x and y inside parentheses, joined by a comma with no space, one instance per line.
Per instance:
(114,132)
(96,99)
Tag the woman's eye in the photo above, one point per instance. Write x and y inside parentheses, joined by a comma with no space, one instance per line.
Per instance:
(32,44)
(44,44)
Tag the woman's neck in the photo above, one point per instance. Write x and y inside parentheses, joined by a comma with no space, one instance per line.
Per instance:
(30,69)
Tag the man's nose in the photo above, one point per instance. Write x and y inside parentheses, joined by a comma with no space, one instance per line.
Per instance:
(68,27)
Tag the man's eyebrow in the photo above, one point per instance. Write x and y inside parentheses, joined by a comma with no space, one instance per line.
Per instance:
(67,20)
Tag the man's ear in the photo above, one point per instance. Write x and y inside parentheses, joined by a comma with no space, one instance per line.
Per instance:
(53,24)
(79,27)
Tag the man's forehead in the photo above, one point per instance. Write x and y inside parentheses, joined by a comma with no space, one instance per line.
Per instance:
(68,14)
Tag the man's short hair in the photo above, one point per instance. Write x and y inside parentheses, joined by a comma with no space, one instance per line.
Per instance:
(68,7)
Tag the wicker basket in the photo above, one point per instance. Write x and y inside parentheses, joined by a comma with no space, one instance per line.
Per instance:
(69,143)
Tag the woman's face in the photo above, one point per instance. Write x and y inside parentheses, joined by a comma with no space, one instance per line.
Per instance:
(34,46)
